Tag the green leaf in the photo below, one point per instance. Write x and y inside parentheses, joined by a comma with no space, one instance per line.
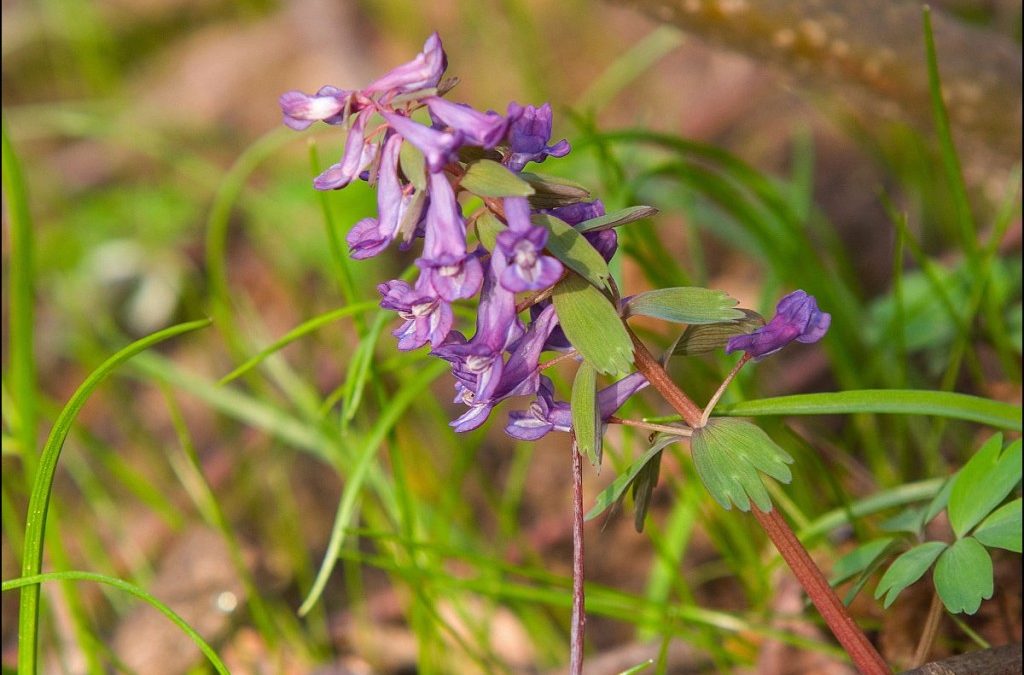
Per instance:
(983,483)
(909,520)
(963,576)
(586,422)
(592,325)
(907,569)
(553,191)
(488,227)
(891,401)
(1002,528)
(616,218)
(413,165)
(857,560)
(684,305)
(643,488)
(487,178)
(573,249)
(938,502)
(614,492)
(729,453)
(639,668)
(706,338)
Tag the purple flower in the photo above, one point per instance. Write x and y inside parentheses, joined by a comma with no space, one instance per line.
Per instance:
(522,243)
(422,72)
(797,317)
(545,414)
(327,105)
(370,236)
(528,134)
(427,317)
(358,154)
(483,129)
(445,265)
(438,147)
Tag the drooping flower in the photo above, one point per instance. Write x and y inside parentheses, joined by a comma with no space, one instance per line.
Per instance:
(485,130)
(522,244)
(370,236)
(327,105)
(358,154)
(438,147)
(445,265)
(427,317)
(545,414)
(797,317)
(423,72)
(529,131)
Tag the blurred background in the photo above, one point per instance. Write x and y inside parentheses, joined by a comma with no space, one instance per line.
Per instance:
(161,189)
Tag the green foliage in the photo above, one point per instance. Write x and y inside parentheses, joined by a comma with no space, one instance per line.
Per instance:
(983,483)
(963,576)
(553,191)
(614,492)
(593,325)
(586,422)
(575,252)
(684,305)
(729,453)
(487,178)
(1002,528)
(608,221)
(908,568)
(707,338)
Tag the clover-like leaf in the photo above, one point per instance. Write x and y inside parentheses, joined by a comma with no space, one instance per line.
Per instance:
(706,338)
(550,192)
(729,453)
(592,325)
(586,422)
(983,483)
(487,178)
(575,252)
(963,576)
(685,305)
(907,569)
(1002,528)
(618,487)
(615,218)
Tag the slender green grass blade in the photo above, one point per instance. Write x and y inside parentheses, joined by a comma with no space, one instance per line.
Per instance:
(36,579)
(39,500)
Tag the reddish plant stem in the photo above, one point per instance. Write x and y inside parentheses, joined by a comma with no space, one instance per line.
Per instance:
(832,610)
(579,616)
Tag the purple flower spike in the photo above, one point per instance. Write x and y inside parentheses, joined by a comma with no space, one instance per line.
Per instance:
(528,134)
(797,317)
(483,129)
(438,147)
(445,264)
(522,243)
(545,414)
(422,72)
(427,317)
(300,110)
(358,154)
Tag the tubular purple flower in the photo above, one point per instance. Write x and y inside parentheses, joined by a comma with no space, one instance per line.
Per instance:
(423,72)
(545,414)
(427,317)
(483,129)
(327,105)
(797,317)
(522,244)
(445,264)
(370,236)
(438,147)
(529,131)
(358,154)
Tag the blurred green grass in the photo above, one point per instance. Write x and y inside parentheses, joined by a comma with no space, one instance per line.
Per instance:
(128,213)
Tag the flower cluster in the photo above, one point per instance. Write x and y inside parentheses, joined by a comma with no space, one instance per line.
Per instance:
(416,168)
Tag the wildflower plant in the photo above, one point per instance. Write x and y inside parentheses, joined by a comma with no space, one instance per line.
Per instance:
(534,259)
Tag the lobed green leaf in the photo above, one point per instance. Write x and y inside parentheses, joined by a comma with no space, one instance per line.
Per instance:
(592,325)
(983,483)
(963,576)
(685,305)
(907,569)
(1002,528)
(729,453)
(487,178)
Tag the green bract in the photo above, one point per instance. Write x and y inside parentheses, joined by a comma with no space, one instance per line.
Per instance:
(729,453)
(550,192)
(685,305)
(586,423)
(592,325)
(575,252)
(616,218)
(706,338)
(487,178)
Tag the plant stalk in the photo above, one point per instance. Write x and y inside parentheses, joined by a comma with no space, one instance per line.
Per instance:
(579,617)
(832,610)
(931,628)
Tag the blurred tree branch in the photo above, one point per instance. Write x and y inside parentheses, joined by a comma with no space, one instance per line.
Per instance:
(870,54)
